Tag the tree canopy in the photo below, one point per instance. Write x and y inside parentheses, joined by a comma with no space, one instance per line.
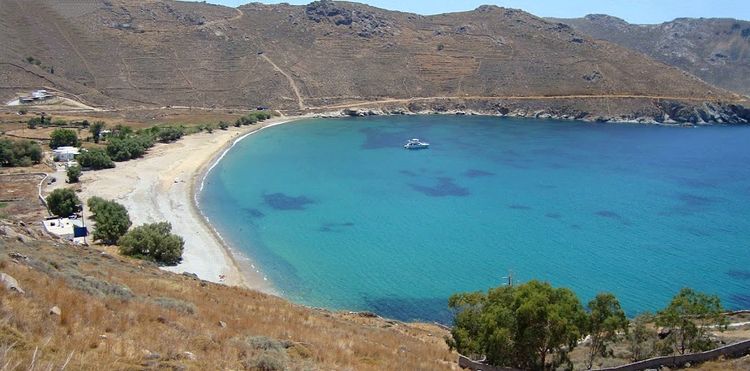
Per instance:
(63,138)
(688,316)
(74,173)
(112,220)
(95,158)
(96,130)
(63,202)
(19,152)
(606,318)
(153,242)
(518,326)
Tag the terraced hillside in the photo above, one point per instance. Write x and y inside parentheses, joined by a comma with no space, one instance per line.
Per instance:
(330,55)
(716,50)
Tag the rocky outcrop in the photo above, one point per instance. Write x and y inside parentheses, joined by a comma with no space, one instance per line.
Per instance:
(10,283)
(363,23)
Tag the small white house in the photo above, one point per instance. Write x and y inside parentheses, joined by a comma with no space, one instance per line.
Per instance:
(65,154)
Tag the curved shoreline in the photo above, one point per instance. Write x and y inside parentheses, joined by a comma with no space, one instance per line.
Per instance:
(242,263)
(161,187)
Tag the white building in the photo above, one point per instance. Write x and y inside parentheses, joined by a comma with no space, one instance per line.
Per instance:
(65,154)
(70,229)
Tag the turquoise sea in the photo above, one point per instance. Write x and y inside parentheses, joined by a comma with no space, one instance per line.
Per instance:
(338,215)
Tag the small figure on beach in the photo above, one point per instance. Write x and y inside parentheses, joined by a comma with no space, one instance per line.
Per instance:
(222,277)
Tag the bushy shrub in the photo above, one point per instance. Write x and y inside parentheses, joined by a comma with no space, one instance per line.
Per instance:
(112,220)
(63,202)
(223,125)
(74,173)
(63,138)
(266,343)
(267,361)
(39,121)
(96,130)
(170,134)
(128,148)
(176,305)
(153,242)
(96,159)
(19,152)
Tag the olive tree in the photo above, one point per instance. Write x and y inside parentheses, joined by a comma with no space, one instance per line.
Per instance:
(112,220)
(63,202)
(518,326)
(74,173)
(63,138)
(96,130)
(153,242)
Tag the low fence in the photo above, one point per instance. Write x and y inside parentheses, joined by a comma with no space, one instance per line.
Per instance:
(730,351)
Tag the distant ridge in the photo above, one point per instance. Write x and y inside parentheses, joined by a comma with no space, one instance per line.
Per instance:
(715,49)
(326,55)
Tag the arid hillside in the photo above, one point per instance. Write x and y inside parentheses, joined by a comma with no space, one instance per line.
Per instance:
(716,50)
(330,55)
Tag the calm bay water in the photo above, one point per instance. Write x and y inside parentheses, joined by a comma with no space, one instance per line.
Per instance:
(338,215)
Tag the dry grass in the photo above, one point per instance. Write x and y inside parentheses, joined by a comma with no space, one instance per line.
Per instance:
(168,315)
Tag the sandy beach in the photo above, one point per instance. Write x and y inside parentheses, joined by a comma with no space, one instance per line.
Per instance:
(161,187)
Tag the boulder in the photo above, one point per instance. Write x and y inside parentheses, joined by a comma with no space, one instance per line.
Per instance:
(55,311)
(188,355)
(222,324)
(10,283)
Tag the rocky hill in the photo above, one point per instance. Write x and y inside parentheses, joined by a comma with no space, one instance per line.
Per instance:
(329,56)
(716,50)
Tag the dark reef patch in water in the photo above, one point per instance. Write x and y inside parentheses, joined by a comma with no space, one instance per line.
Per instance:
(407,172)
(335,227)
(739,274)
(519,207)
(444,187)
(280,201)
(612,215)
(695,183)
(553,215)
(254,213)
(475,173)
(695,201)
(411,309)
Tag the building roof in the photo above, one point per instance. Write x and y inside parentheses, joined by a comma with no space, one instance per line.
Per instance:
(66,150)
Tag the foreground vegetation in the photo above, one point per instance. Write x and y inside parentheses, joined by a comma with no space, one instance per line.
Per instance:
(535,326)
(19,153)
(119,313)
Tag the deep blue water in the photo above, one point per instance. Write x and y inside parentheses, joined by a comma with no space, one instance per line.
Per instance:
(338,215)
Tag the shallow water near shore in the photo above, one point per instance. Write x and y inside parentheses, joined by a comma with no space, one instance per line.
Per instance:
(338,215)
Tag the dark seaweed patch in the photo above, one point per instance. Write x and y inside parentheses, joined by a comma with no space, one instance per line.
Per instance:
(408,173)
(553,215)
(612,215)
(739,274)
(280,201)
(444,187)
(696,201)
(475,173)
(334,227)
(254,213)
(519,207)
(575,226)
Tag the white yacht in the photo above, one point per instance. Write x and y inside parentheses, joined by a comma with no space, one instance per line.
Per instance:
(416,144)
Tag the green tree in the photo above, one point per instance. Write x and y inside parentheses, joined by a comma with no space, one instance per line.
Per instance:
(606,318)
(519,326)
(223,125)
(688,316)
(153,242)
(170,134)
(63,137)
(640,338)
(74,173)
(63,202)
(19,153)
(96,130)
(95,159)
(112,220)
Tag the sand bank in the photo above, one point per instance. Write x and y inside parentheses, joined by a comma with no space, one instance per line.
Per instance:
(161,187)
